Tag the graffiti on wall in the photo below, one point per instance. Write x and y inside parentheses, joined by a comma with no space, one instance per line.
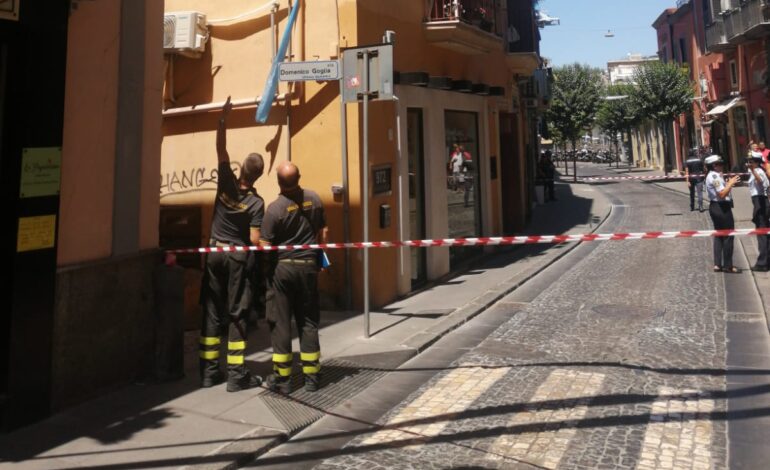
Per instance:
(191,180)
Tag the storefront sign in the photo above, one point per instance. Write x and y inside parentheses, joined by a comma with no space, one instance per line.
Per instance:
(9,10)
(309,71)
(382,177)
(40,172)
(36,233)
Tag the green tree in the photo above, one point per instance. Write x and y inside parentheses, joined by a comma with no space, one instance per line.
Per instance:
(618,113)
(576,98)
(662,93)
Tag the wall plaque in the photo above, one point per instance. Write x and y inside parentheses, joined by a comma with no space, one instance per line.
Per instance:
(40,172)
(9,10)
(382,179)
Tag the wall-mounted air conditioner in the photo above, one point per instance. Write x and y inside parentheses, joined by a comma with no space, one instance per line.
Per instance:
(185,33)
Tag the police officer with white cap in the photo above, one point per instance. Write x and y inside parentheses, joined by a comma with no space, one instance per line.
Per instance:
(721,212)
(758,187)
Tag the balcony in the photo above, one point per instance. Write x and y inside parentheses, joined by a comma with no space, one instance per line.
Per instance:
(751,20)
(465,26)
(716,39)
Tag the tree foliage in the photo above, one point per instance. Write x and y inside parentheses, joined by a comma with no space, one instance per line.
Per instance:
(618,112)
(663,91)
(576,98)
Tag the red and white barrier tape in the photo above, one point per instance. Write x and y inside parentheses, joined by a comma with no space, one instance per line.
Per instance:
(487,241)
(654,177)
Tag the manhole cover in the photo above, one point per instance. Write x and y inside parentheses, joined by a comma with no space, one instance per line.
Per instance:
(627,311)
(340,381)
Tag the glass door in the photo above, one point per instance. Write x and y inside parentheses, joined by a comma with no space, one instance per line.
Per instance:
(415,144)
(462,156)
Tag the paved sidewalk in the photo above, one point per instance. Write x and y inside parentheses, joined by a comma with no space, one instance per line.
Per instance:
(178,424)
(742,213)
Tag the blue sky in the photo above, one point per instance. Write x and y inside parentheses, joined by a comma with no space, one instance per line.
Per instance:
(580,38)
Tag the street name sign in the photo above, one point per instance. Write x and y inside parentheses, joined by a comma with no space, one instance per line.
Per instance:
(318,71)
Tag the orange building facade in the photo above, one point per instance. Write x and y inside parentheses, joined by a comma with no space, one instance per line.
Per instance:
(457,81)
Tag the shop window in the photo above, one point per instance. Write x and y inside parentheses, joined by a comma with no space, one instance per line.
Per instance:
(462,156)
(733,74)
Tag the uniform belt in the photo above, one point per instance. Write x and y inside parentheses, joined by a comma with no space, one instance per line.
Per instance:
(221,244)
(298,261)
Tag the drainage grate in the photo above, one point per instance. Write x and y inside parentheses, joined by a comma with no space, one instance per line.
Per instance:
(340,381)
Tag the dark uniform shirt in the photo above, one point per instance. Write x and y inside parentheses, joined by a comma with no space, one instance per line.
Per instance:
(295,219)
(695,168)
(236,210)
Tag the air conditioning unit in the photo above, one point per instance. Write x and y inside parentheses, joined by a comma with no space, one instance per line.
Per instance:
(185,33)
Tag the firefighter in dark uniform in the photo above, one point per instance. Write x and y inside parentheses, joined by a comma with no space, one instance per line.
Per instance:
(226,291)
(295,218)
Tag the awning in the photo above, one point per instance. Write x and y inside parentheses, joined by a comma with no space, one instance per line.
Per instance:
(723,108)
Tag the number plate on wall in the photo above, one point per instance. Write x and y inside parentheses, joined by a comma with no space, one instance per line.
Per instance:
(382,179)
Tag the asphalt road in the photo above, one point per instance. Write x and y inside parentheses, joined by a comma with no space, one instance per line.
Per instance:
(629,355)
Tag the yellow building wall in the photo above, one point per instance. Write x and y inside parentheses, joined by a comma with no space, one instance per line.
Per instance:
(236,64)
(89,136)
(90,113)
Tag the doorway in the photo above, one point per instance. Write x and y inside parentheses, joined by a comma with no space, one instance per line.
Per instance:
(462,164)
(415,148)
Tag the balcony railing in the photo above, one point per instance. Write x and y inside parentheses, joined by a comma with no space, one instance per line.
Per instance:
(716,40)
(750,20)
(480,13)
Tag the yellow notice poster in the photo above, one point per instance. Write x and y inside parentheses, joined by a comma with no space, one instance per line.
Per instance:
(36,233)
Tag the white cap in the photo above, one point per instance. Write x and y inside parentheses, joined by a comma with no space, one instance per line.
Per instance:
(710,160)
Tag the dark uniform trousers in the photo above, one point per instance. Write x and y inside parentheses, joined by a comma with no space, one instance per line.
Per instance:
(761,218)
(226,299)
(721,213)
(292,290)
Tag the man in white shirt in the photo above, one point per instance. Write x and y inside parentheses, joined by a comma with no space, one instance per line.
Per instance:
(456,165)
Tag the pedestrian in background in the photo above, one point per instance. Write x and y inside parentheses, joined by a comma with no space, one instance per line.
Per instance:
(296,217)
(693,172)
(456,166)
(468,175)
(226,290)
(758,188)
(765,153)
(547,172)
(721,212)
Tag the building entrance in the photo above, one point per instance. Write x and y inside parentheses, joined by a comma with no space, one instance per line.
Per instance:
(33,55)
(416,147)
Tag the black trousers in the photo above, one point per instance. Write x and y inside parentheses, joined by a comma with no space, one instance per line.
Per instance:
(721,213)
(292,292)
(761,219)
(696,185)
(549,190)
(226,297)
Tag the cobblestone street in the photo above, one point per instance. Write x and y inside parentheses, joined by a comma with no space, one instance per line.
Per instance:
(614,357)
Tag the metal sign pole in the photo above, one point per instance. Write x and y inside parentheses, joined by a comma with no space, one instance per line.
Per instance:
(365,195)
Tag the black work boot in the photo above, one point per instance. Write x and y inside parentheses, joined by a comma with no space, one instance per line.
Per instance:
(247,382)
(211,380)
(278,384)
(312,382)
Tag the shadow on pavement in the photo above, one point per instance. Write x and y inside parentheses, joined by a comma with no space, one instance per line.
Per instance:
(119,416)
